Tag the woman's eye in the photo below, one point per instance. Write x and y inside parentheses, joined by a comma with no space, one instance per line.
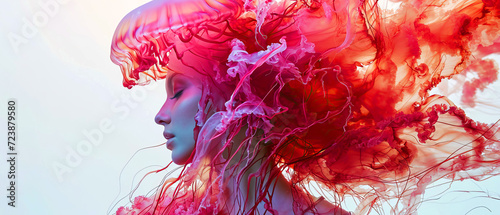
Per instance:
(177,94)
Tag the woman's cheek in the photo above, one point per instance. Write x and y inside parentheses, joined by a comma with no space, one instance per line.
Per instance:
(186,110)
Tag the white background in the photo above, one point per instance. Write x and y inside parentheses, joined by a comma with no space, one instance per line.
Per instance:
(65,85)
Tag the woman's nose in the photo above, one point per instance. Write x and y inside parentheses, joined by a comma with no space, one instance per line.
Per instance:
(163,116)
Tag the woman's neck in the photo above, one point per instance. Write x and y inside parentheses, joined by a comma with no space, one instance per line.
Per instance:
(243,191)
(251,175)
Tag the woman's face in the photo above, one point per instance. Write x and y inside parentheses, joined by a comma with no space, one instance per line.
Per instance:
(177,115)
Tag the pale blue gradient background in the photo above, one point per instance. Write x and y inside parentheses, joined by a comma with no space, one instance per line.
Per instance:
(65,84)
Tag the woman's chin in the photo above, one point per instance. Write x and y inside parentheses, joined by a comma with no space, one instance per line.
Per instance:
(180,160)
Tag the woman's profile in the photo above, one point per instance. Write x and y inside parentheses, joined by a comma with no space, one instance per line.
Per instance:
(267,97)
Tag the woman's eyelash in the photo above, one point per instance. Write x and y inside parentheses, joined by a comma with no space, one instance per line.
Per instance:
(177,94)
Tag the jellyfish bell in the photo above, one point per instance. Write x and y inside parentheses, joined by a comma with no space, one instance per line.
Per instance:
(146,37)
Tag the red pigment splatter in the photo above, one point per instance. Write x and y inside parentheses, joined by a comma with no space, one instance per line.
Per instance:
(487,70)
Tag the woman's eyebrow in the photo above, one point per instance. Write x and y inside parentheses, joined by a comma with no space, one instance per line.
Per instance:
(170,80)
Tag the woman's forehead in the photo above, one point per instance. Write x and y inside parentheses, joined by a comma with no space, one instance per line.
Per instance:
(176,76)
(187,64)
(176,66)
(170,78)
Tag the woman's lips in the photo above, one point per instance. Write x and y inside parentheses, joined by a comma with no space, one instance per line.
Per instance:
(169,137)
(170,144)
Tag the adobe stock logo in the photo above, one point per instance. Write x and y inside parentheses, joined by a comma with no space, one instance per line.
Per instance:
(30,27)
